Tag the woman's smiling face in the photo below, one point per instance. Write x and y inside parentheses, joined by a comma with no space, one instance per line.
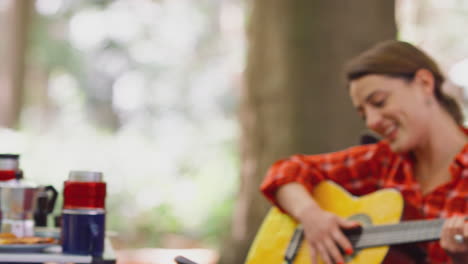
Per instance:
(395,108)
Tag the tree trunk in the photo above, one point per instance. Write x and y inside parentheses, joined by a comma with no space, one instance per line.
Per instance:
(295,99)
(13,61)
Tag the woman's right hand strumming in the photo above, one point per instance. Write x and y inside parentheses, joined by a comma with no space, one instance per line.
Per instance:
(324,236)
(322,229)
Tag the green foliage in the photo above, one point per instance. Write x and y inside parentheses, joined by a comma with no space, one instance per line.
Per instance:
(53,50)
(149,226)
(217,224)
(154,110)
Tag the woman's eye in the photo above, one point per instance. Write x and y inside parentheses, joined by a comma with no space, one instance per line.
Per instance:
(379,103)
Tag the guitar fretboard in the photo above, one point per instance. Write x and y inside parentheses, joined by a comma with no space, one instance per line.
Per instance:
(405,232)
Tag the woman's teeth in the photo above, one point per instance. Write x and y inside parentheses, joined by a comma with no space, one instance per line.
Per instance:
(390,132)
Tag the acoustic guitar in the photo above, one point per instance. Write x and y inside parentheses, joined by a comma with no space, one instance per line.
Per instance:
(280,238)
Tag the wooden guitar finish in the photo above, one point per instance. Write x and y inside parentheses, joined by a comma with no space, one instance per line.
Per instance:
(378,212)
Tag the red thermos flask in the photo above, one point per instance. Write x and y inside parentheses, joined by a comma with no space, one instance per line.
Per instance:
(83,214)
(9,167)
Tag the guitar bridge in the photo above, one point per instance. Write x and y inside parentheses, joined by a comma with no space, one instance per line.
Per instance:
(294,245)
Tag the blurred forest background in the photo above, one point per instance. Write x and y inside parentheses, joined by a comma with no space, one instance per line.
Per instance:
(174,100)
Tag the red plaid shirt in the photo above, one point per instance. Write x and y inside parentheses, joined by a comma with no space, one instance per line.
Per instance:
(367,168)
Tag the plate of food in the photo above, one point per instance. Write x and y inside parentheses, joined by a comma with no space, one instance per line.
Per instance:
(10,243)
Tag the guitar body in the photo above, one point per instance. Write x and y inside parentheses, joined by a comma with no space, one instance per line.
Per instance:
(382,207)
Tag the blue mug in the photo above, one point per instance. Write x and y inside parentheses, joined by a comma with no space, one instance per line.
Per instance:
(83,231)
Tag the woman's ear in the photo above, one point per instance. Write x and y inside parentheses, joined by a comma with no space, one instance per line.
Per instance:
(426,80)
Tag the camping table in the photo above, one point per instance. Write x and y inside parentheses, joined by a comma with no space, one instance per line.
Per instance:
(53,254)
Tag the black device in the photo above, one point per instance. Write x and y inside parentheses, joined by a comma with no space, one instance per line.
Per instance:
(183,260)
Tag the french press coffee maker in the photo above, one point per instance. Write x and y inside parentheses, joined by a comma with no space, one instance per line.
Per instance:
(21,201)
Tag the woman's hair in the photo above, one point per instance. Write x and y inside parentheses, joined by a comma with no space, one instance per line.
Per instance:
(402,60)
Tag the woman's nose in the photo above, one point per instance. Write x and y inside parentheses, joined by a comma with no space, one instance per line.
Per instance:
(373,119)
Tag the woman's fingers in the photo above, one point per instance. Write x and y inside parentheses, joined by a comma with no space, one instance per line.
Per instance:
(328,250)
(325,238)
(331,245)
(313,254)
(465,229)
(333,251)
(348,224)
(341,239)
(323,253)
(446,235)
(456,231)
(454,236)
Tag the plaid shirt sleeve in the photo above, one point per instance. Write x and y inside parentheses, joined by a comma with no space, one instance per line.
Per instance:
(358,169)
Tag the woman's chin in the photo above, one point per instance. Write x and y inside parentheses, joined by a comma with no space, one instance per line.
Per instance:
(398,146)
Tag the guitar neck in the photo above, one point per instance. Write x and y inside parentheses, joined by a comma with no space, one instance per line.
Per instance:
(387,235)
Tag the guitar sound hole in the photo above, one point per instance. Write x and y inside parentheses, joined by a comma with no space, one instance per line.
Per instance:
(354,234)
(364,219)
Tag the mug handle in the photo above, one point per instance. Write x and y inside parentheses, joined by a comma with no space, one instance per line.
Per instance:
(52,198)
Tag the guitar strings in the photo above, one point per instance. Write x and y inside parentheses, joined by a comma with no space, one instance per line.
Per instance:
(403,233)
(407,232)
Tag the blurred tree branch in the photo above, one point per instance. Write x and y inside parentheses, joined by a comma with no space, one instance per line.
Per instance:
(15,37)
(15,28)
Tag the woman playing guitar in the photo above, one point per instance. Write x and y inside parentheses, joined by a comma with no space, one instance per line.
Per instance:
(397,89)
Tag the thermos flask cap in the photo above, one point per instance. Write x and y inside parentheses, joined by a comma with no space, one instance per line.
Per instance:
(9,161)
(85,176)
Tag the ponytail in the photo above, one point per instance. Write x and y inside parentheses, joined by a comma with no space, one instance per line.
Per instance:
(450,105)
